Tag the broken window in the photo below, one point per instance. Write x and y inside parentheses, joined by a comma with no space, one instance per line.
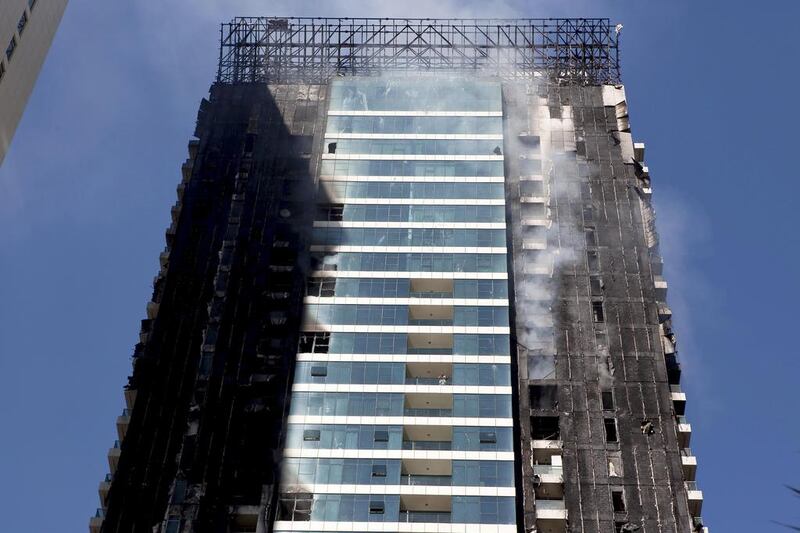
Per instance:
(597,312)
(332,212)
(593,260)
(588,215)
(543,396)
(618,500)
(531,188)
(647,427)
(545,428)
(376,507)
(596,284)
(314,342)
(529,167)
(607,398)
(332,148)
(591,238)
(541,367)
(324,287)
(295,506)
(611,429)
(614,464)
(378,470)
(381,435)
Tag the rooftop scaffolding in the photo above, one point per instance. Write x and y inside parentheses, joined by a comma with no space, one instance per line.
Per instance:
(581,51)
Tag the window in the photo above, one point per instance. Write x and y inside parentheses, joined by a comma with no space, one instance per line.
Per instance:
(618,500)
(541,367)
(596,284)
(597,312)
(594,261)
(319,371)
(545,428)
(381,435)
(543,396)
(376,507)
(591,238)
(607,398)
(23,21)
(611,429)
(311,435)
(378,470)
(12,45)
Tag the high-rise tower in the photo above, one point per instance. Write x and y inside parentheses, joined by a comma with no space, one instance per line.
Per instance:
(27,28)
(412,284)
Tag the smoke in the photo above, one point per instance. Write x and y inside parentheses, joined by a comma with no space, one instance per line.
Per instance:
(544,248)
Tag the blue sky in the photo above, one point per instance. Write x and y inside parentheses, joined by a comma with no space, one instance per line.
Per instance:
(86,189)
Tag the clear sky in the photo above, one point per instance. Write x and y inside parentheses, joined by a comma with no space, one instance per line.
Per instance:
(86,190)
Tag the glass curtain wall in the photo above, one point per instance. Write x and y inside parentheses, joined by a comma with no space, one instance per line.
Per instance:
(401,404)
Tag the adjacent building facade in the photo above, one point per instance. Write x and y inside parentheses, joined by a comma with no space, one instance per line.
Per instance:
(27,28)
(412,284)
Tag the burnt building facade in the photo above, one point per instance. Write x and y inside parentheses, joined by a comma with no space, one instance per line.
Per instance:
(412,283)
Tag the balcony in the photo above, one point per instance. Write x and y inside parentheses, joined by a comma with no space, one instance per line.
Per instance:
(429,373)
(661,288)
(678,399)
(430,509)
(103,488)
(689,464)
(113,457)
(550,510)
(430,315)
(548,482)
(430,343)
(684,431)
(96,522)
(545,450)
(428,404)
(431,288)
(695,496)
(123,421)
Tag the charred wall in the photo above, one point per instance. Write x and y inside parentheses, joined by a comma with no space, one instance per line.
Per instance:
(212,372)
(593,380)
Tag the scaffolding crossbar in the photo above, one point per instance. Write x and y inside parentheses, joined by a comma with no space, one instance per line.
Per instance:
(286,50)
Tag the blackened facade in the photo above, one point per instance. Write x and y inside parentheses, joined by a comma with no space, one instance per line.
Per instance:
(403,294)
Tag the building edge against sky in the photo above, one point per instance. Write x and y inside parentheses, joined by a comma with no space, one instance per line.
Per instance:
(412,283)
(27,28)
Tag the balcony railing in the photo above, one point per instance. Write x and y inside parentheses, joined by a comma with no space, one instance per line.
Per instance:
(429,351)
(687,452)
(427,445)
(427,381)
(420,480)
(548,470)
(550,505)
(425,516)
(691,486)
(427,412)
(430,321)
